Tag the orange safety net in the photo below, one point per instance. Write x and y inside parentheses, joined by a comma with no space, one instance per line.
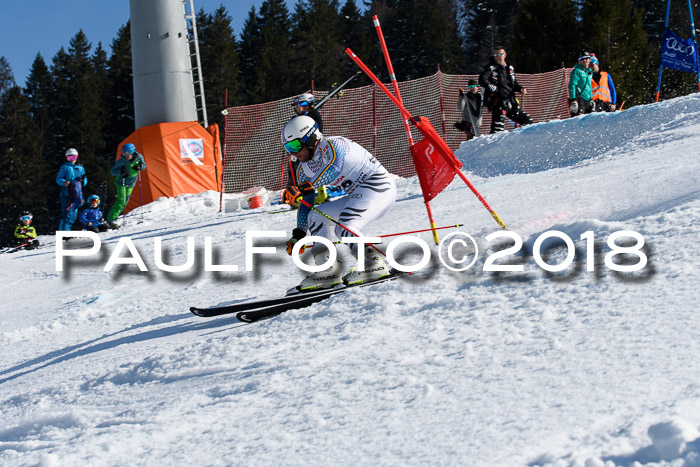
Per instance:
(180,157)
(253,152)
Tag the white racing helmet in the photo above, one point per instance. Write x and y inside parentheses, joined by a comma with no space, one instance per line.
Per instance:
(300,131)
(304,99)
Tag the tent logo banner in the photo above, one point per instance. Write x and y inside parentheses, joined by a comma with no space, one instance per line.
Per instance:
(192,151)
(679,54)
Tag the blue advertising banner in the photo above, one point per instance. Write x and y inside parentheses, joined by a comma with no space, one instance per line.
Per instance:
(679,54)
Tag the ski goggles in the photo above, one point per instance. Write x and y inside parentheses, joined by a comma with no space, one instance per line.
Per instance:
(294,146)
(95,201)
(297,144)
(25,218)
(473,86)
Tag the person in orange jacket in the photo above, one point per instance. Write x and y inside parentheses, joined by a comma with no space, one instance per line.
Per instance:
(603,88)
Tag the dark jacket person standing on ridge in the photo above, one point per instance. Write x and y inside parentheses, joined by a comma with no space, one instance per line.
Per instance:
(498,80)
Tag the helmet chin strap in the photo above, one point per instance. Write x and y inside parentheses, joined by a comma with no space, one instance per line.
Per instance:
(311,142)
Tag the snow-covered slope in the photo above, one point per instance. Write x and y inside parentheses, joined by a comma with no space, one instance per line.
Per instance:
(444,368)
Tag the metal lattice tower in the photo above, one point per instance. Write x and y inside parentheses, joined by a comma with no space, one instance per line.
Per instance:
(197,78)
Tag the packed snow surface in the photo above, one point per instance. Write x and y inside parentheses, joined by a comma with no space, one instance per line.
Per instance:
(585,366)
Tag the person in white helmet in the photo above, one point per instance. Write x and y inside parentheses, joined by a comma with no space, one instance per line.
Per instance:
(71,178)
(304,105)
(371,192)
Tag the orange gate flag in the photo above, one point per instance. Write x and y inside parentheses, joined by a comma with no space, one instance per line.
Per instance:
(436,165)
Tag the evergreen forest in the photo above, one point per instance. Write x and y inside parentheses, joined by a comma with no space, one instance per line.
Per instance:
(82,96)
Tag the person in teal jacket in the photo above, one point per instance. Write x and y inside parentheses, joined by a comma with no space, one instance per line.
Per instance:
(580,93)
(126,170)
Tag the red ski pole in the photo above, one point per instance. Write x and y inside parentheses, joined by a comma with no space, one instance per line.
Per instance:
(423,230)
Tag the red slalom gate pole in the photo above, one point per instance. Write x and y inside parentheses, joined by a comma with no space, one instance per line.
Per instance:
(376,81)
(223,155)
(405,112)
(390,67)
(395,85)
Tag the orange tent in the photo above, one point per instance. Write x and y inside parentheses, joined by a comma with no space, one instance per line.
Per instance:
(181,157)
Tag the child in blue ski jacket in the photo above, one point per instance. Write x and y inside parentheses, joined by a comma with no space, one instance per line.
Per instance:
(71,178)
(92,218)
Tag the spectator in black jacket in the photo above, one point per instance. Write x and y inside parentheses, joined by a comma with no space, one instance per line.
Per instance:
(499,82)
(469,104)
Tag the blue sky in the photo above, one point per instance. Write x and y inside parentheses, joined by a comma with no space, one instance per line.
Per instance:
(43,26)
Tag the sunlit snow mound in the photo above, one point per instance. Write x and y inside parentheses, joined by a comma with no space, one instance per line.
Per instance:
(561,143)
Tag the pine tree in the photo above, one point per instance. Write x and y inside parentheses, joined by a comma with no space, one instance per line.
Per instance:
(120,105)
(316,44)
(220,61)
(654,15)
(485,25)
(97,114)
(545,33)
(7,78)
(249,47)
(78,111)
(428,36)
(23,185)
(394,29)
(101,87)
(357,33)
(38,89)
(674,82)
(266,53)
(615,34)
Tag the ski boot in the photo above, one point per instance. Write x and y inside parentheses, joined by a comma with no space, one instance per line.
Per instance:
(325,279)
(375,269)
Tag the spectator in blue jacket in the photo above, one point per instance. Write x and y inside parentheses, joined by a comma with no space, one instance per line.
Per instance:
(92,217)
(71,178)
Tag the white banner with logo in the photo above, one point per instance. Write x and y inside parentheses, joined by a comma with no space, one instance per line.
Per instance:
(192,151)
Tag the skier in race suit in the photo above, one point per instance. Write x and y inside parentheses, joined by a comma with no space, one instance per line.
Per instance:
(371,192)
